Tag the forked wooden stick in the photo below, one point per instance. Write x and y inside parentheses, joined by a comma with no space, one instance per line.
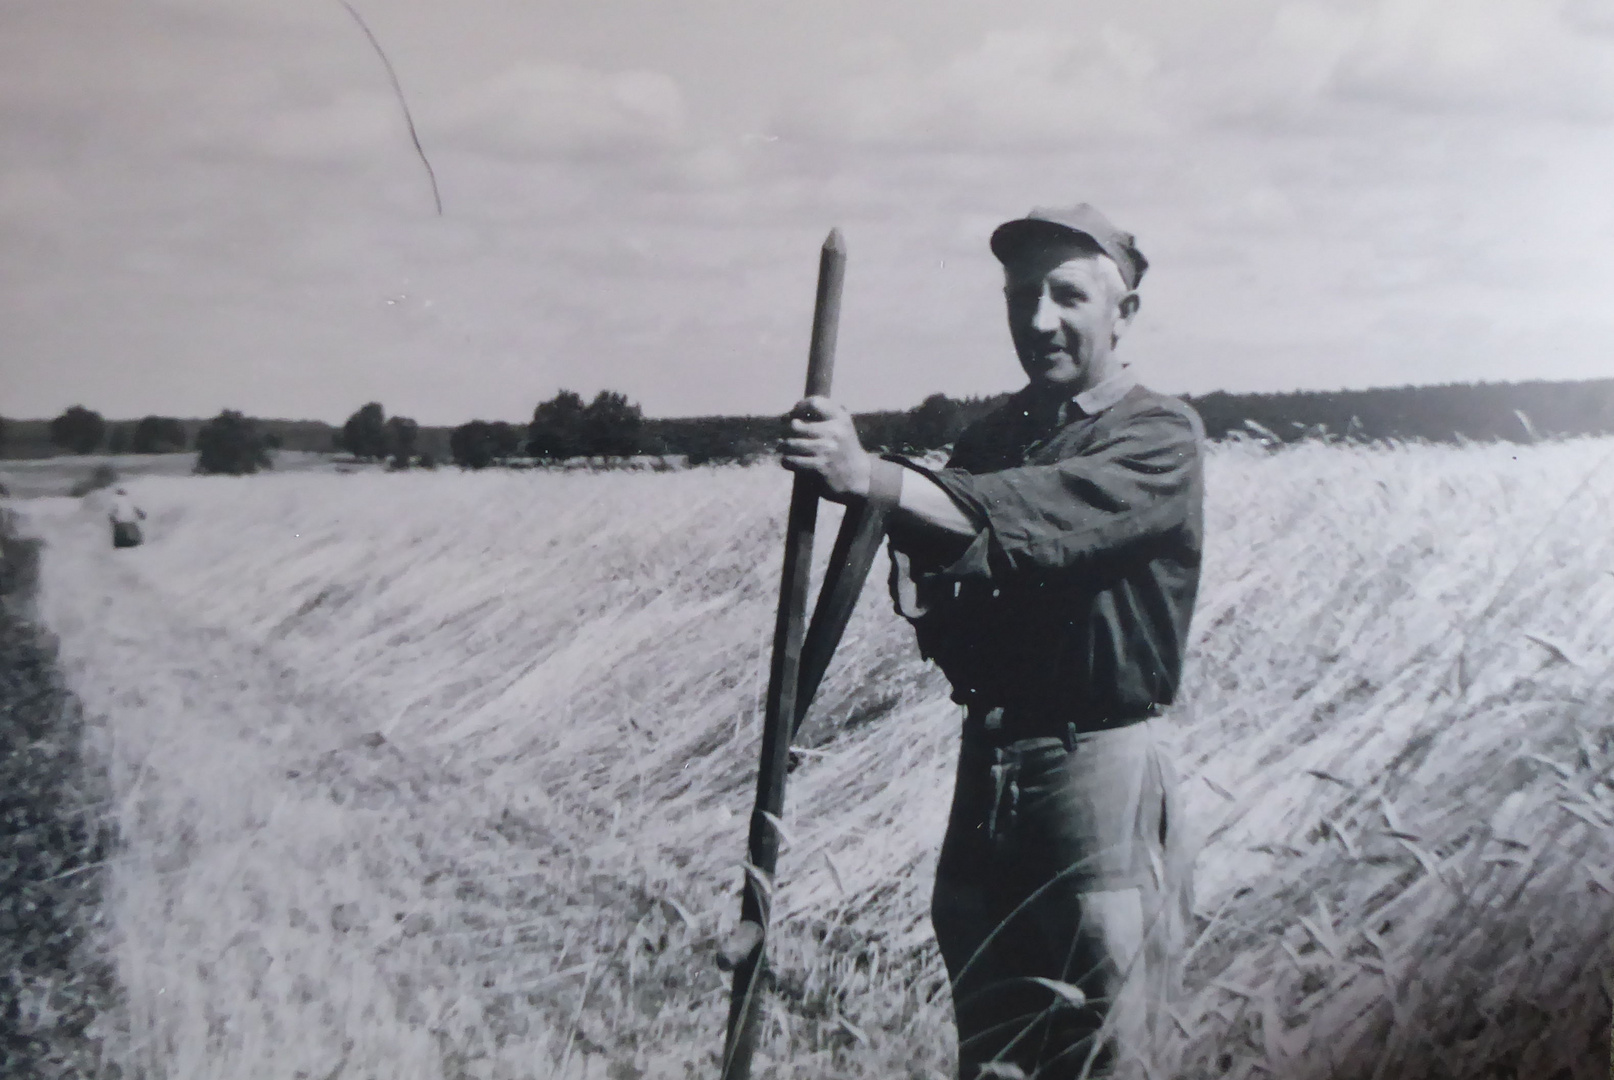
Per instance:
(747,949)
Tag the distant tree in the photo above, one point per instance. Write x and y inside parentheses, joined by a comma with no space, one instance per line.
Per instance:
(401,435)
(78,430)
(612,426)
(117,440)
(471,444)
(705,440)
(364,435)
(2,433)
(934,422)
(505,439)
(556,431)
(158,435)
(230,443)
(722,445)
(273,440)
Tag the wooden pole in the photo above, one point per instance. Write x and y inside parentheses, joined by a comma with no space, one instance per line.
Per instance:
(748,951)
(856,546)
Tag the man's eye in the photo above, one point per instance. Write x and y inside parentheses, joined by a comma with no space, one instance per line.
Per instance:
(1067,297)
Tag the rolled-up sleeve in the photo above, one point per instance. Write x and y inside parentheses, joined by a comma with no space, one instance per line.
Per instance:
(1133,484)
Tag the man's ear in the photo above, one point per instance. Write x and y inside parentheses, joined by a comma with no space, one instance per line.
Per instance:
(1126,309)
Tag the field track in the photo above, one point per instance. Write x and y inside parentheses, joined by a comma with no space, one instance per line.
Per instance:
(444,775)
(58,998)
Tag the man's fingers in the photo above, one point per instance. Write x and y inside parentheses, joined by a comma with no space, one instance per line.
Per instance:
(798,463)
(813,428)
(816,408)
(797,460)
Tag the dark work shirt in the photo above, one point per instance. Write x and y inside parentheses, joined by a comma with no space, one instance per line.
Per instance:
(1073,601)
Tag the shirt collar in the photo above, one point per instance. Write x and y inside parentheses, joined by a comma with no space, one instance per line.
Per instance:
(1095,399)
(1089,403)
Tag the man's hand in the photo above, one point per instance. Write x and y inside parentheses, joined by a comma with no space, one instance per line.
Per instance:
(824,443)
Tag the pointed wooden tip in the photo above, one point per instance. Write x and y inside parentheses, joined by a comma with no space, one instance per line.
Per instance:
(835,242)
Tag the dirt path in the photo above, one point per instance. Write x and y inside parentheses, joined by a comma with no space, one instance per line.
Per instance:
(295,895)
(261,834)
(58,997)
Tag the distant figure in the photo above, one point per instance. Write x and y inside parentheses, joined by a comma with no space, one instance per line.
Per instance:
(126,518)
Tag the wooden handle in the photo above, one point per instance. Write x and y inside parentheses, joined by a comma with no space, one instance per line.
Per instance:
(826,315)
(779,712)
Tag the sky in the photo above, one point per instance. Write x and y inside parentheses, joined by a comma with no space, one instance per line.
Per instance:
(211,204)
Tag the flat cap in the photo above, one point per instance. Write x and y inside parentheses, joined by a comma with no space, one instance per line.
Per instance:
(1012,238)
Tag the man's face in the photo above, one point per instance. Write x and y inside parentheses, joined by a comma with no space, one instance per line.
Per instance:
(1067,309)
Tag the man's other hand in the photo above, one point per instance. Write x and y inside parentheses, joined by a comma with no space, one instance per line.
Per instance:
(824,443)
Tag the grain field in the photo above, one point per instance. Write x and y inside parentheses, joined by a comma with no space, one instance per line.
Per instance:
(445,775)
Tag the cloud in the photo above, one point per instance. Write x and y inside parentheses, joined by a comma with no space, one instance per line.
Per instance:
(1512,56)
(1016,88)
(356,120)
(533,112)
(542,110)
(1155,68)
(1593,16)
(30,194)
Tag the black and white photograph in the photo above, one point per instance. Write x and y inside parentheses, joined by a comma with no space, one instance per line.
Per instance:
(729,539)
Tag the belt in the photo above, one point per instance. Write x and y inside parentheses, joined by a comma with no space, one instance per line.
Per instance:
(1002,725)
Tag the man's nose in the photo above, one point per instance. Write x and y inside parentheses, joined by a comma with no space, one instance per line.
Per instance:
(1045,320)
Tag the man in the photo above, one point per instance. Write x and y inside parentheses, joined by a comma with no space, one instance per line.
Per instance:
(1050,570)
(126,518)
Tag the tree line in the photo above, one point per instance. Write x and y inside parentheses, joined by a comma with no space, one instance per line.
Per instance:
(227,443)
(562,428)
(613,427)
(1453,412)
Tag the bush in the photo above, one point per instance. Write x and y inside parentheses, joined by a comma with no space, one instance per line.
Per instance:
(556,431)
(158,435)
(78,430)
(935,422)
(472,444)
(505,440)
(563,427)
(401,434)
(726,446)
(230,444)
(612,426)
(364,435)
